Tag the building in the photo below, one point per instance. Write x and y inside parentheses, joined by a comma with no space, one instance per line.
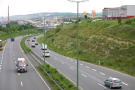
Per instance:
(124,12)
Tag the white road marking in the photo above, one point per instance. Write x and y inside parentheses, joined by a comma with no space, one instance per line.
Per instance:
(67,58)
(21,84)
(81,64)
(102,73)
(71,68)
(19,74)
(94,70)
(15,61)
(83,75)
(124,83)
(71,60)
(55,58)
(0,68)
(62,62)
(101,85)
(110,77)
(87,67)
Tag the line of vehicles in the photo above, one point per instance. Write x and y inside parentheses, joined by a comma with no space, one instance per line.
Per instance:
(46,52)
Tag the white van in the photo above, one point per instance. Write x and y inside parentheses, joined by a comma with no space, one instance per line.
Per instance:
(44,47)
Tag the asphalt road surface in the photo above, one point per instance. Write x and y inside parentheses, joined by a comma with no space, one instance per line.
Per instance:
(10,79)
(91,77)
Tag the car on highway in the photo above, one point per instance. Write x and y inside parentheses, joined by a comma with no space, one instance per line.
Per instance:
(33,45)
(113,83)
(44,46)
(33,40)
(46,54)
(21,65)
(36,43)
(28,39)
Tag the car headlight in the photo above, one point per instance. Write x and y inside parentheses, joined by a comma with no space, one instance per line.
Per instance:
(18,69)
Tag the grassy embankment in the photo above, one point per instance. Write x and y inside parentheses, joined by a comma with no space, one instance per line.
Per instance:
(112,44)
(62,81)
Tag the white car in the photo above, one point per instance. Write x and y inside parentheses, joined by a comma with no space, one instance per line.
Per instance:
(33,45)
(46,54)
(44,47)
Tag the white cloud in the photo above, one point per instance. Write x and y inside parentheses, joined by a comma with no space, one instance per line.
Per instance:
(19,7)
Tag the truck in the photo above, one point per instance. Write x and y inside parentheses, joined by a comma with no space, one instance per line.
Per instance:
(21,65)
(1,46)
(12,38)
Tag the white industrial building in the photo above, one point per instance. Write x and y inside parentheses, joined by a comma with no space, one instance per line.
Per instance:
(124,12)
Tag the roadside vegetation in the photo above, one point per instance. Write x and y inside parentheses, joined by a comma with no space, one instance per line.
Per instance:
(110,42)
(62,81)
(24,46)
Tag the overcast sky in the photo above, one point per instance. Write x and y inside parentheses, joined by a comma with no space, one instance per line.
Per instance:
(22,7)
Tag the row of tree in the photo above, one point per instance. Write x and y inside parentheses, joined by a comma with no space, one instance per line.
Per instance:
(12,28)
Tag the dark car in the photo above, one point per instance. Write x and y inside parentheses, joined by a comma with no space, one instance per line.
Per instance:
(113,83)
(21,67)
(34,37)
(33,40)
(36,43)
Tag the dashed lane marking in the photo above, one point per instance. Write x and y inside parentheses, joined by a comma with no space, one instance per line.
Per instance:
(94,70)
(87,67)
(83,75)
(19,74)
(21,84)
(81,64)
(71,68)
(124,83)
(101,85)
(62,62)
(71,60)
(102,73)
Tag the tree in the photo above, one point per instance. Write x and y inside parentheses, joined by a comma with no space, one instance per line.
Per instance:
(85,16)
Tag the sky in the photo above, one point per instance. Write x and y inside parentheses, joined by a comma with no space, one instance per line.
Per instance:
(23,7)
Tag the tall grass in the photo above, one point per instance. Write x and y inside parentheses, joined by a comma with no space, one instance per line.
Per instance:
(104,41)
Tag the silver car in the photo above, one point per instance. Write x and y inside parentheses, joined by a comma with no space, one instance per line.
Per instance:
(46,54)
(113,83)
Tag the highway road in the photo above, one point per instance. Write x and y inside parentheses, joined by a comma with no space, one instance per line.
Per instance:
(10,79)
(91,77)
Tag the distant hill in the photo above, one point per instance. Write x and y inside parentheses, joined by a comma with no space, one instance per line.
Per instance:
(37,16)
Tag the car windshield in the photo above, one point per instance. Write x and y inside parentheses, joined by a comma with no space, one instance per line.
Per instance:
(22,64)
(116,81)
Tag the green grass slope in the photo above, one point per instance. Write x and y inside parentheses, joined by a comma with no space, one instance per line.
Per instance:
(105,41)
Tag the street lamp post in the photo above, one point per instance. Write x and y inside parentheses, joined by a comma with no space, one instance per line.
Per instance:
(77,1)
(44,39)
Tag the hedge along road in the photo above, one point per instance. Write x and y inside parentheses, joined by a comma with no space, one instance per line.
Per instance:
(91,77)
(9,78)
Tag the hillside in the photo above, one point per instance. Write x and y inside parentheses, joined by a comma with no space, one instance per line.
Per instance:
(105,41)
(51,15)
